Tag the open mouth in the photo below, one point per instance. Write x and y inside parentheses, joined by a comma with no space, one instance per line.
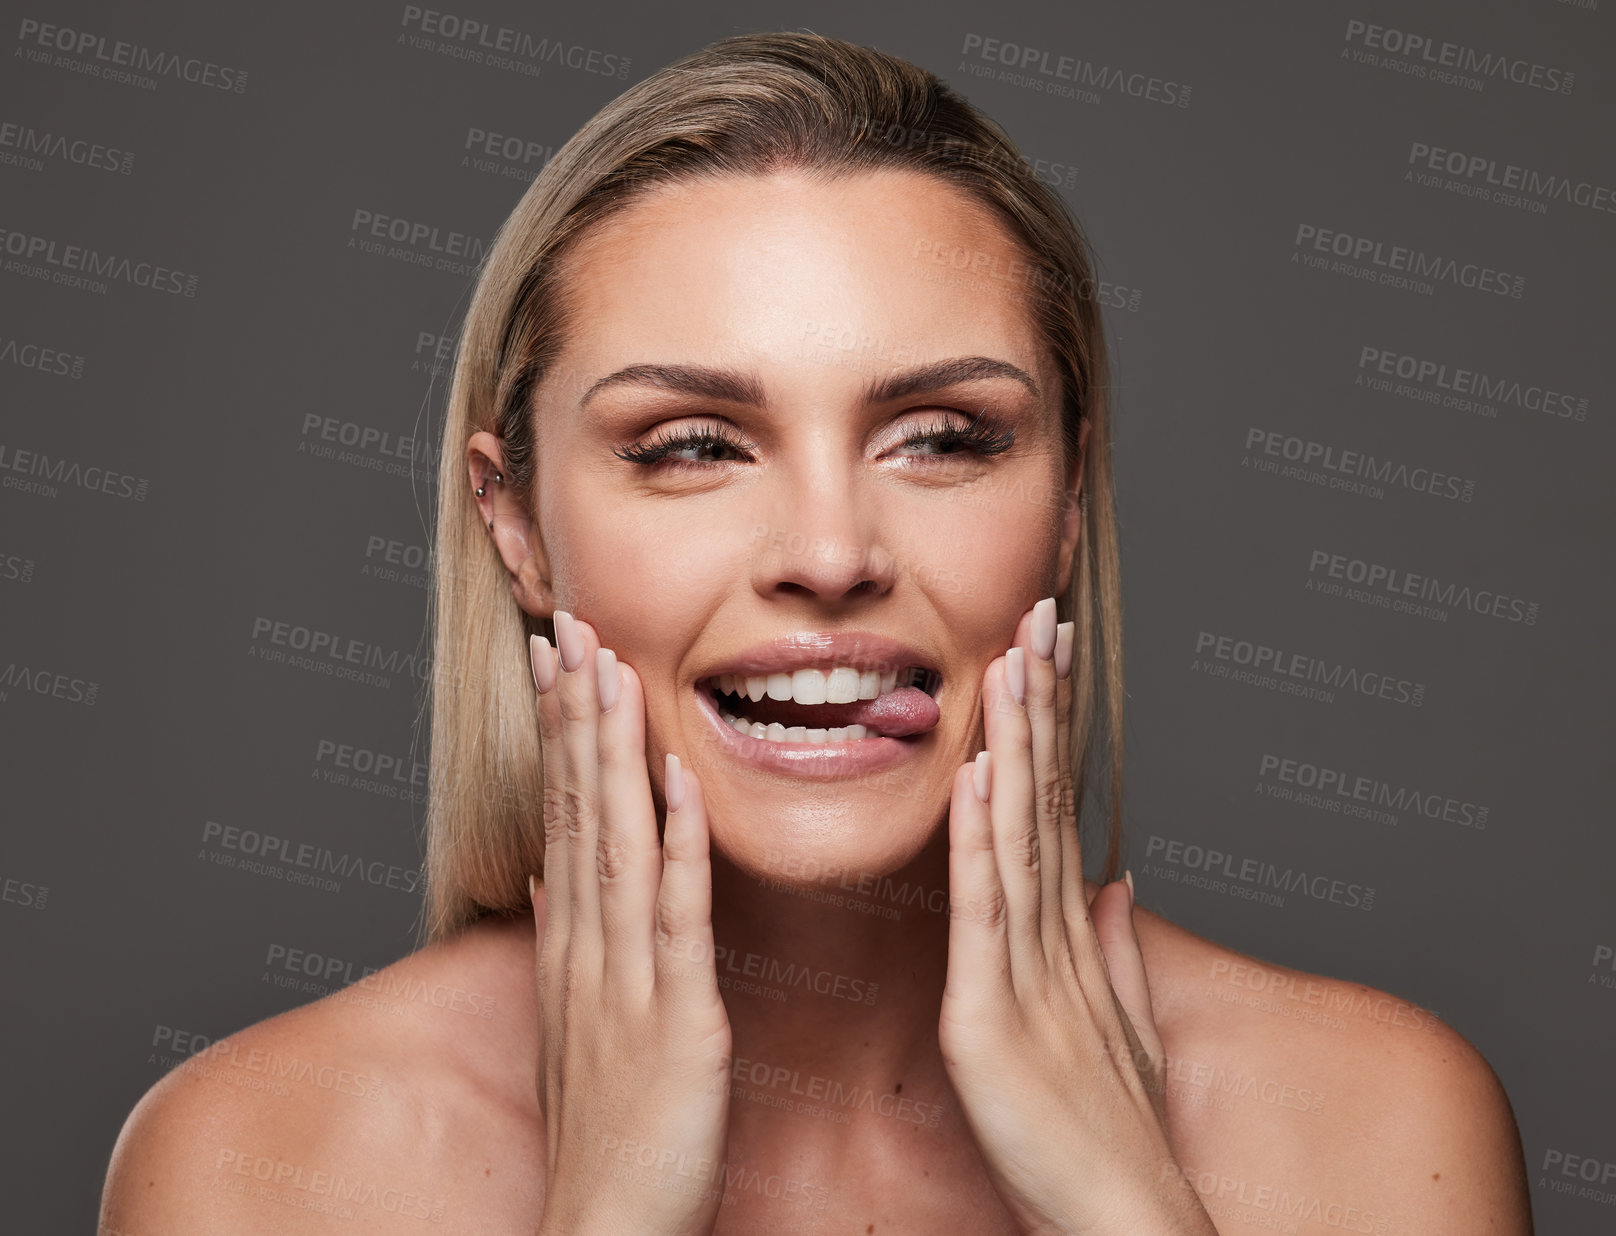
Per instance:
(840,704)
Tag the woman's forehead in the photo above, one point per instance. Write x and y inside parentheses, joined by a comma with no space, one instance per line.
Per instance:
(788,265)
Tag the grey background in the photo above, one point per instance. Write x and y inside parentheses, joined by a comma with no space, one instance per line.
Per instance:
(120,928)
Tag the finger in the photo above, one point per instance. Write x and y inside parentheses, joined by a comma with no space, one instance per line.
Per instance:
(1074,899)
(1037,636)
(542,969)
(684,901)
(1112,912)
(1010,807)
(629,865)
(580,713)
(546,674)
(978,945)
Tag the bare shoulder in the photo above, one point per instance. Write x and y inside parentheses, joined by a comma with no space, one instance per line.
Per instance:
(396,1099)
(1326,1103)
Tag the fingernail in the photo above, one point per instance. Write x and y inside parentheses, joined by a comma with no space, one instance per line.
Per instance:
(532,890)
(1063,648)
(542,658)
(569,641)
(607,677)
(673,780)
(982,778)
(1043,629)
(1015,672)
(1128,876)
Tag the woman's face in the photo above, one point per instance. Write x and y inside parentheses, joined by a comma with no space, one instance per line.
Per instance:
(806,325)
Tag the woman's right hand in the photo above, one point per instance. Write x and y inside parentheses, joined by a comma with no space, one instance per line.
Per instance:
(634,1039)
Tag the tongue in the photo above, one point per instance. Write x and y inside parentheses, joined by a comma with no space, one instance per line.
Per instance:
(897,714)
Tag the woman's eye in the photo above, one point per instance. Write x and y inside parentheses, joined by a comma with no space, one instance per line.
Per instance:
(936,443)
(708,450)
(681,449)
(983,436)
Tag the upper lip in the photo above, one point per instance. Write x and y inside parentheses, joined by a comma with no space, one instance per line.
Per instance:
(823,650)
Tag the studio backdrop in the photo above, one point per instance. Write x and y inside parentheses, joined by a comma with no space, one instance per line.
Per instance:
(1356,262)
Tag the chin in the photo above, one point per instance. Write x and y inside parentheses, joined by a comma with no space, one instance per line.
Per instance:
(844,838)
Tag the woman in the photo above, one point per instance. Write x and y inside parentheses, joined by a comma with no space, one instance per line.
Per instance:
(778,449)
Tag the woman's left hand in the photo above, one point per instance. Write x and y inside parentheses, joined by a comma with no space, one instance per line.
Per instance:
(1046,1028)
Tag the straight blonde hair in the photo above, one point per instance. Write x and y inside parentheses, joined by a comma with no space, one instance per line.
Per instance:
(745,105)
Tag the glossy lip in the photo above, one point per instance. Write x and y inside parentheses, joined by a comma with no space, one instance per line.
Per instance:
(815,761)
(823,650)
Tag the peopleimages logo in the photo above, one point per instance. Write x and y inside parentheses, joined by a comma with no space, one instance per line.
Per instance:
(1296,673)
(1306,780)
(1395,582)
(302,862)
(26,146)
(52,470)
(36,356)
(117,60)
(1399,265)
(1353,471)
(1482,176)
(415,242)
(81,267)
(1257,873)
(501,47)
(1038,67)
(1452,386)
(1452,63)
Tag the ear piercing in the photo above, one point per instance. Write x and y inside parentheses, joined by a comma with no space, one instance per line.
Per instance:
(499,479)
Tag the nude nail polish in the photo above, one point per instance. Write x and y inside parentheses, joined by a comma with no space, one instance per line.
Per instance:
(673,783)
(1015,673)
(607,677)
(542,658)
(569,641)
(1063,648)
(1043,629)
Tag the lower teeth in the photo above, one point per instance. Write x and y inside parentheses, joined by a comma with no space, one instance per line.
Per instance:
(797,733)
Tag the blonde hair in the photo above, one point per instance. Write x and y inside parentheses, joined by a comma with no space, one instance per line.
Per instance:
(745,105)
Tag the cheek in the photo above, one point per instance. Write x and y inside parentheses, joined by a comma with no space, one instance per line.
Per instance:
(648,586)
(984,558)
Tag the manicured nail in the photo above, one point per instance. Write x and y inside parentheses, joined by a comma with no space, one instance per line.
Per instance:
(569,641)
(1043,629)
(1015,673)
(982,778)
(1128,876)
(533,890)
(542,658)
(608,677)
(673,781)
(1063,648)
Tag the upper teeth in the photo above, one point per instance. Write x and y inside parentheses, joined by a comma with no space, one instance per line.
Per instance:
(841,685)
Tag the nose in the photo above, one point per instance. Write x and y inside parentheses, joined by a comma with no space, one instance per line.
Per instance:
(826,544)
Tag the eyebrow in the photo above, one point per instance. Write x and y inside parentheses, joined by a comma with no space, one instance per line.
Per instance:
(733,387)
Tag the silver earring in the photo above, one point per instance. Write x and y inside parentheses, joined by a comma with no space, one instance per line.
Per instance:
(479,491)
(499,478)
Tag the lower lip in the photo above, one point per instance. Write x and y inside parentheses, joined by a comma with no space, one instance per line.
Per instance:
(825,761)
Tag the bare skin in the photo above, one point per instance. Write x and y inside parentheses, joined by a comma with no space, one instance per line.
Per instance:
(457,1120)
(1336,1107)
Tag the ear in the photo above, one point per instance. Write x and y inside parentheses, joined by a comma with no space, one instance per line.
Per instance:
(506,518)
(1072,513)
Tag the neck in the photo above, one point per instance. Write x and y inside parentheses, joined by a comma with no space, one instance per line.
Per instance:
(833,981)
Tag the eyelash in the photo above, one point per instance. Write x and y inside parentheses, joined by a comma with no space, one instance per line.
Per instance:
(986,435)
